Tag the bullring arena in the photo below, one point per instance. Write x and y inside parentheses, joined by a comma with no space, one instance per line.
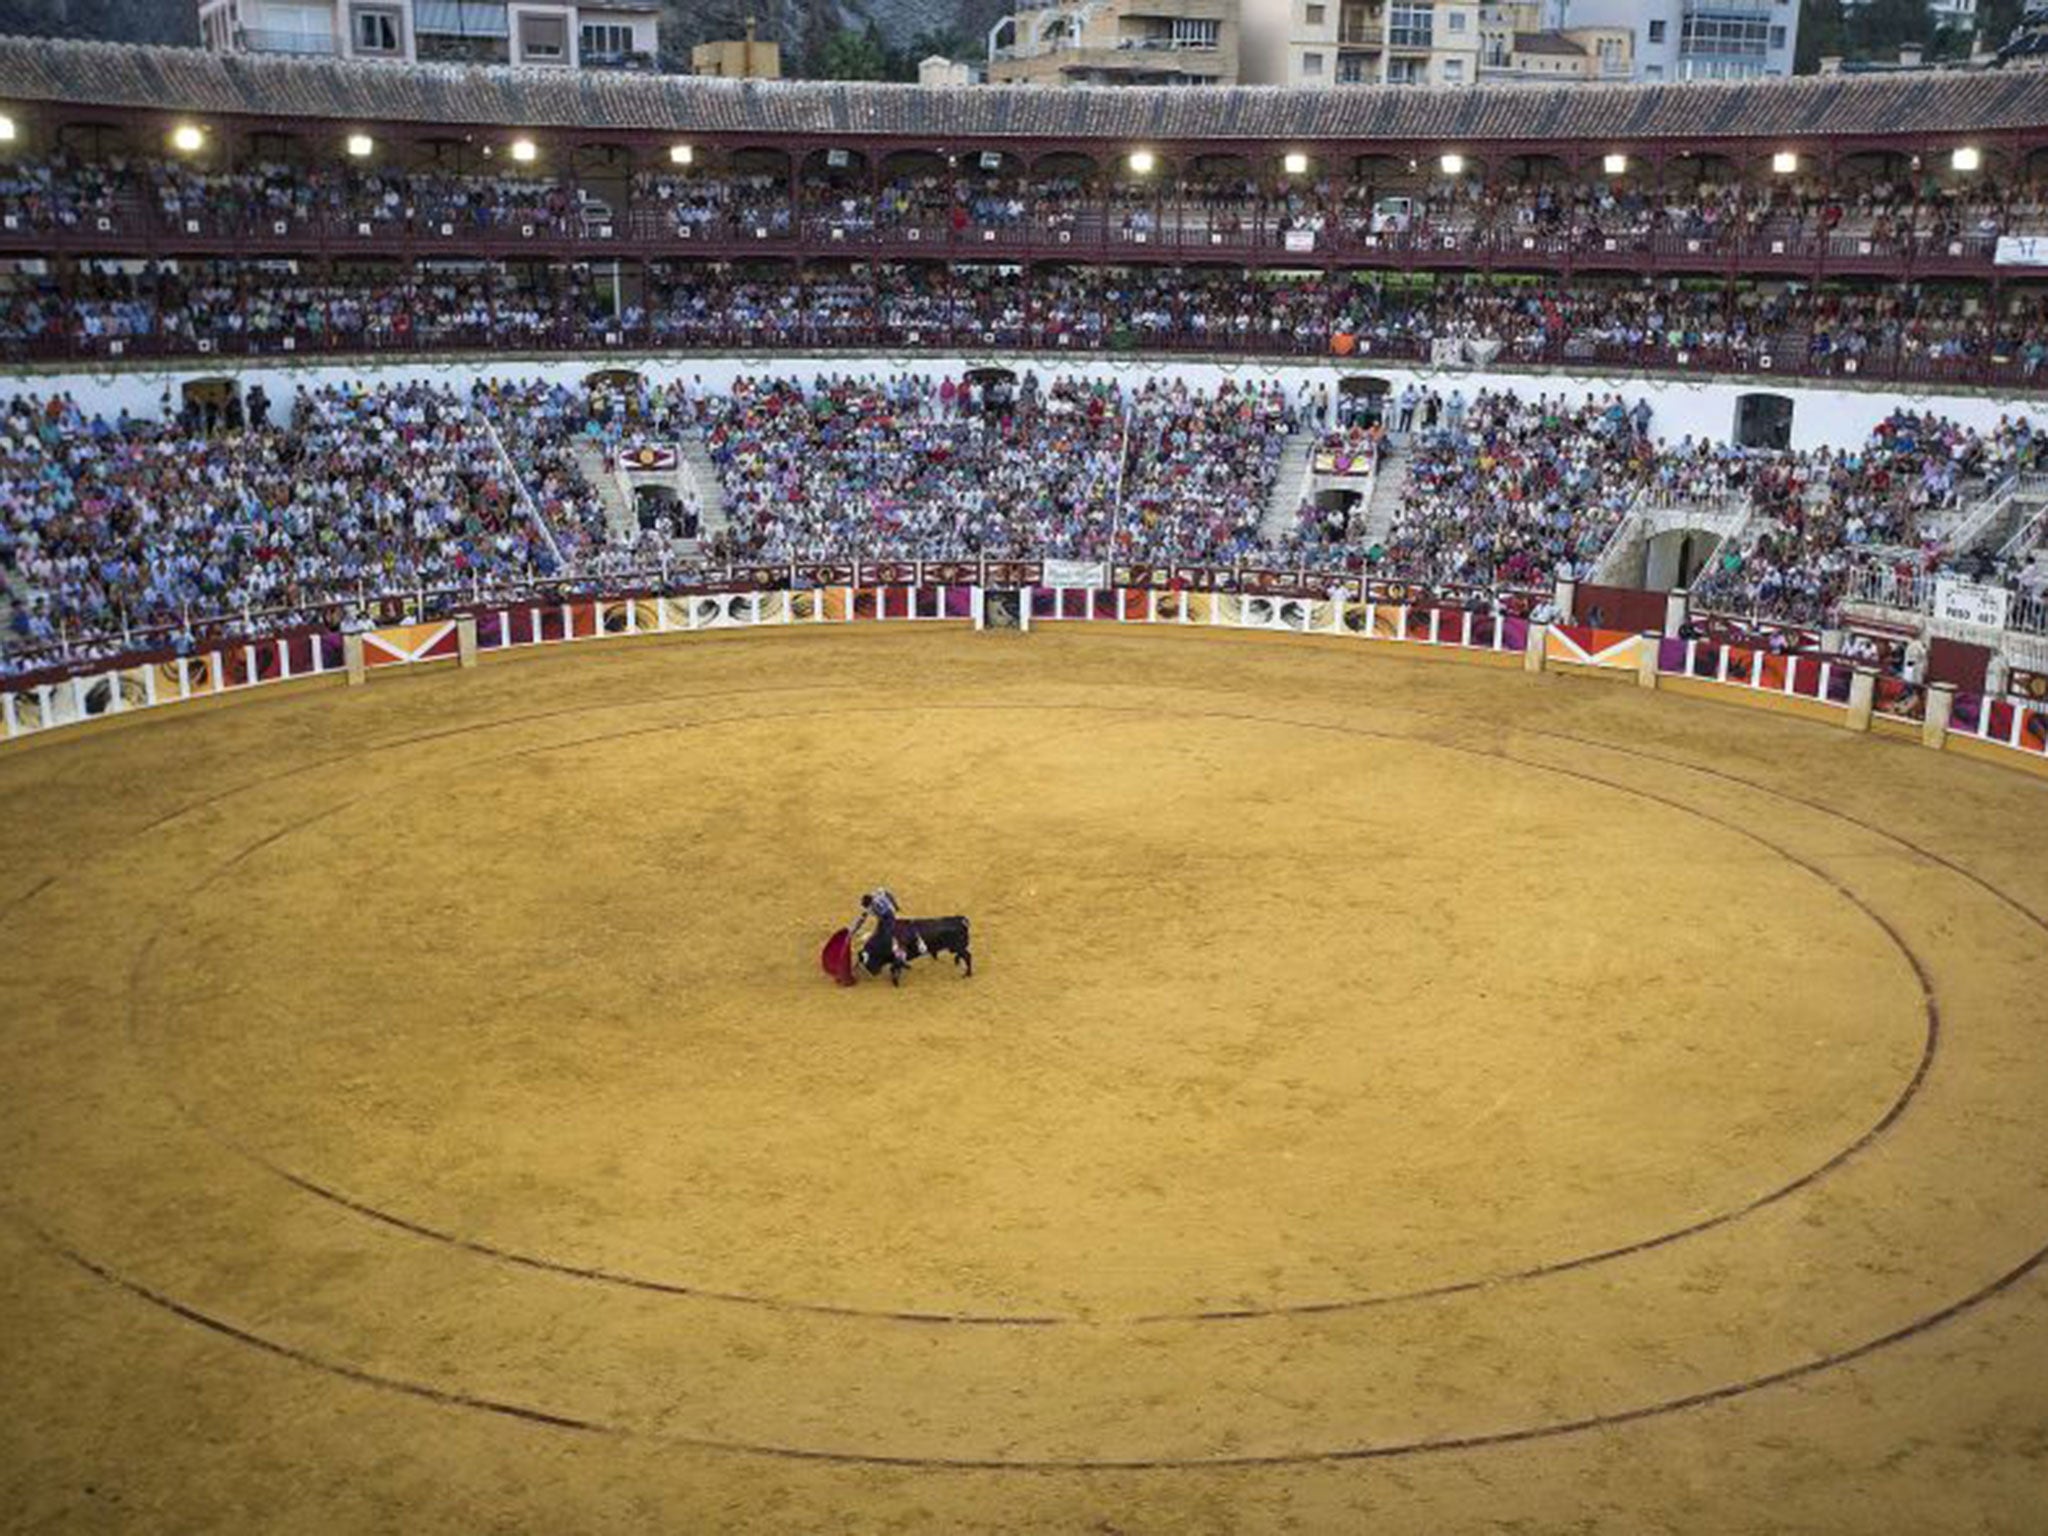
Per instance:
(1398,1092)
(1476,658)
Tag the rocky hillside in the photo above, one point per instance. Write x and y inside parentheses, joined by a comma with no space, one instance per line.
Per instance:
(908,28)
(120,21)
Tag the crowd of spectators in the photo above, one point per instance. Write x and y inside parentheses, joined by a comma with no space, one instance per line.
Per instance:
(1506,491)
(960,468)
(1503,491)
(1870,330)
(754,195)
(61,191)
(113,527)
(613,421)
(1818,516)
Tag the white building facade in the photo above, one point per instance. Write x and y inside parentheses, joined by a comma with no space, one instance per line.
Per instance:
(1362,42)
(586,33)
(1698,39)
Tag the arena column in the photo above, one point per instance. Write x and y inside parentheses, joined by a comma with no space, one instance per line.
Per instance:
(1563,597)
(1646,658)
(1862,699)
(1941,703)
(352,656)
(1532,649)
(1677,609)
(465,639)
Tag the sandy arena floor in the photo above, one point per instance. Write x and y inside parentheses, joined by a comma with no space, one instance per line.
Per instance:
(1397,1095)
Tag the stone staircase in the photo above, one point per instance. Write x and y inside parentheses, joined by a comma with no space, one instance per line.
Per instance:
(2023,523)
(621,519)
(1389,484)
(1291,483)
(12,593)
(1999,521)
(701,477)
(1625,555)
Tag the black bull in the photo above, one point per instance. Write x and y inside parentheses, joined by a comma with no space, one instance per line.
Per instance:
(913,938)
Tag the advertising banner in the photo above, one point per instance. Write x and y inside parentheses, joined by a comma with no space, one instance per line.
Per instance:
(1074,573)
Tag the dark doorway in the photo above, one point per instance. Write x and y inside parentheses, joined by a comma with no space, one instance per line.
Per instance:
(211,405)
(1362,400)
(1763,421)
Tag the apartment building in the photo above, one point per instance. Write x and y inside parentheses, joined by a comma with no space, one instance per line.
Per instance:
(585,33)
(1697,39)
(1362,42)
(1519,45)
(1116,42)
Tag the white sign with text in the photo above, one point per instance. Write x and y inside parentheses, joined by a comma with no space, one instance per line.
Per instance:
(1966,602)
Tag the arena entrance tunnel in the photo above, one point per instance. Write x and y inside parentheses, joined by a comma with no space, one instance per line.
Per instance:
(1675,557)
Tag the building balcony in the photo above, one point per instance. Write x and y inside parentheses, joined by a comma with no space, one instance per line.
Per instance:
(1124,53)
(1362,33)
(271,40)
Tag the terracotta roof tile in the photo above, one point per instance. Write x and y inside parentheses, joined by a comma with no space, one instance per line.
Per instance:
(192,80)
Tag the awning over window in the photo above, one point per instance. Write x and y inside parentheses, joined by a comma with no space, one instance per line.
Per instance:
(462,18)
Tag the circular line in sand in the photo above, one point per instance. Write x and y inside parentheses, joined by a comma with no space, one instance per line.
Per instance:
(322,1191)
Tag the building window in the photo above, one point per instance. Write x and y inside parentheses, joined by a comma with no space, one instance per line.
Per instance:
(1724,36)
(1312,64)
(1454,21)
(377,31)
(1410,26)
(1454,71)
(543,38)
(1407,71)
(1315,14)
(1656,31)
(282,28)
(1777,37)
(606,40)
(1193,32)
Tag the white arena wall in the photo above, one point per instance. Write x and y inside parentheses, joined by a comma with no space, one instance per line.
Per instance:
(1830,416)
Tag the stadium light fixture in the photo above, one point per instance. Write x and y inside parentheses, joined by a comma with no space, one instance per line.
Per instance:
(1452,165)
(6,129)
(187,139)
(1296,164)
(1784,162)
(681,154)
(1968,158)
(1614,165)
(1142,161)
(524,151)
(361,146)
